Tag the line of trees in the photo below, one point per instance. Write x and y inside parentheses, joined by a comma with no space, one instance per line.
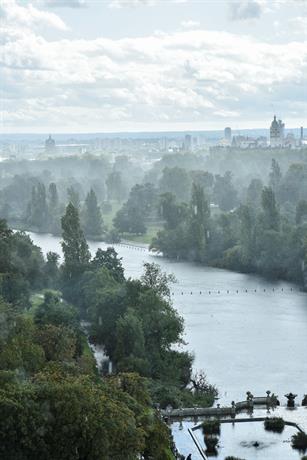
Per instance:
(255,237)
(53,403)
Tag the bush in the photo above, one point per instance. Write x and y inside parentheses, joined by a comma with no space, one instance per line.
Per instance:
(233,458)
(211,443)
(299,441)
(276,424)
(211,427)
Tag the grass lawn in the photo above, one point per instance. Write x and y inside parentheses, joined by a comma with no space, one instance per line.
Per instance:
(152,230)
(108,217)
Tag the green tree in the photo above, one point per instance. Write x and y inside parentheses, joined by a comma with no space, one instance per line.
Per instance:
(176,181)
(110,260)
(224,193)
(51,269)
(73,197)
(199,222)
(275,176)
(92,215)
(76,252)
(271,217)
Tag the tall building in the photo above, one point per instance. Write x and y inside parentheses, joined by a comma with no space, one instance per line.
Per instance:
(187,143)
(227,134)
(49,145)
(277,133)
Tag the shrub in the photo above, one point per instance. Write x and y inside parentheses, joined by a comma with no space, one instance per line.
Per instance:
(211,427)
(233,458)
(276,424)
(211,443)
(299,441)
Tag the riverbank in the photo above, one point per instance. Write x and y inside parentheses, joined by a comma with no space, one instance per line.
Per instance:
(237,337)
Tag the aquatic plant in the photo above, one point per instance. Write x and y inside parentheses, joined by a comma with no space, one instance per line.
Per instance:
(299,441)
(235,458)
(211,443)
(211,427)
(276,424)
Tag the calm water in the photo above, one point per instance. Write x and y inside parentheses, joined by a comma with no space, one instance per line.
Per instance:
(243,340)
(239,439)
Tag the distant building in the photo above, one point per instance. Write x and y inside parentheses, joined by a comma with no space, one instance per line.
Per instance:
(277,131)
(187,143)
(290,140)
(49,145)
(227,135)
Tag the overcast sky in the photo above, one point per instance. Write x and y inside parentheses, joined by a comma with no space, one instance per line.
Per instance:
(148,65)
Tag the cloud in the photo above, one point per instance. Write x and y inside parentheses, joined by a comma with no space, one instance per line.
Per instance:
(188,76)
(65,3)
(246,9)
(28,15)
(135,3)
(189,24)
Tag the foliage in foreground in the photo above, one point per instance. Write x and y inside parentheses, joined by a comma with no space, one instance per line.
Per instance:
(275,424)
(211,427)
(299,441)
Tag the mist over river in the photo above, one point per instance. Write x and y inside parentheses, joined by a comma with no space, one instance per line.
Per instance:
(253,337)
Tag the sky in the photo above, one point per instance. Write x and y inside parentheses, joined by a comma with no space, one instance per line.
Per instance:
(151,65)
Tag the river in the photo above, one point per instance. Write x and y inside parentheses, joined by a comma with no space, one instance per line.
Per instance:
(245,332)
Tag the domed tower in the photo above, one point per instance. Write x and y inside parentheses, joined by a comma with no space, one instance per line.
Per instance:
(49,145)
(277,133)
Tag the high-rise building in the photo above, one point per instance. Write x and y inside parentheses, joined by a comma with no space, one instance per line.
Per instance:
(227,134)
(187,143)
(49,145)
(277,133)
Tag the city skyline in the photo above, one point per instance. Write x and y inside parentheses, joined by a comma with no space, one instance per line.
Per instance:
(79,66)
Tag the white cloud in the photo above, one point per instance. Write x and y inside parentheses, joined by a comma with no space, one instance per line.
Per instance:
(195,76)
(28,15)
(245,9)
(189,24)
(135,3)
(63,3)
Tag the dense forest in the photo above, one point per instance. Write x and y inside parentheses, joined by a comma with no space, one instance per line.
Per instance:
(53,401)
(234,209)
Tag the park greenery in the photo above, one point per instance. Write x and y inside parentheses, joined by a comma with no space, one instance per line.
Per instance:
(275,424)
(54,403)
(244,211)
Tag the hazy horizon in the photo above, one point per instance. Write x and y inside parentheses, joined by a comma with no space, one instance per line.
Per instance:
(147,65)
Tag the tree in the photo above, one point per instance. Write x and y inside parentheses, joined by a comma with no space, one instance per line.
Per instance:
(53,198)
(76,252)
(199,222)
(275,176)
(271,217)
(92,215)
(51,269)
(254,192)
(73,197)
(176,181)
(68,419)
(130,343)
(58,342)
(110,260)
(153,278)
(173,213)
(115,187)
(301,212)
(38,215)
(247,235)
(224,193)
(130,219)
